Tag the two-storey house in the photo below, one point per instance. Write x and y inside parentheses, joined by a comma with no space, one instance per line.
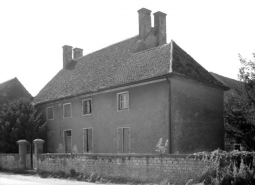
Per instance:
(125,97)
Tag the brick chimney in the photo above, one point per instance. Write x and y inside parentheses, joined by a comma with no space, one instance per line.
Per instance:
(144,22)
(160,27)
(67,55)
(77,53)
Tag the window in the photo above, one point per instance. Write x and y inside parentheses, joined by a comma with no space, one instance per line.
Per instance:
(68,141)
(123,144)
(49,113)
(86,107)
(87,140)
(50,141)
(123,101)
(67,110)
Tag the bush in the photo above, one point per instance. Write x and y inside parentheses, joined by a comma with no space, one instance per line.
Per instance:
(228,168)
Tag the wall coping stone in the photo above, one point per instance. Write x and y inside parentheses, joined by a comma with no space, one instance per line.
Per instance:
(139,155)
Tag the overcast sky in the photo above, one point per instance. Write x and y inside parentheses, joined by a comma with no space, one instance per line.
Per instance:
(33,32)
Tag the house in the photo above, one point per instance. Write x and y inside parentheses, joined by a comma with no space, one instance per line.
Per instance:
(125,97)
(11,90)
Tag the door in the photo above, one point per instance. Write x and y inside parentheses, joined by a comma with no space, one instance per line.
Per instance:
(68,141)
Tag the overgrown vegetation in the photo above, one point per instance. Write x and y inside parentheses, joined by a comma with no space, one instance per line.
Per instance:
(228,168)
(20,120)
(239,114)
(161,147)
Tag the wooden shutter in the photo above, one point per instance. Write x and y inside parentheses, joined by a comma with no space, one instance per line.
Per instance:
(125,140)
(120,140)
(90,146)
(85,141)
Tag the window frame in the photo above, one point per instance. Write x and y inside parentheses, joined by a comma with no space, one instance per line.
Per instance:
(118,101)
(89,99)
(92,143)
(52,113)
(64,110)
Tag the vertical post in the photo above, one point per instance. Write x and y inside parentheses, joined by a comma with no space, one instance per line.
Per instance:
(38,149)
(22,152)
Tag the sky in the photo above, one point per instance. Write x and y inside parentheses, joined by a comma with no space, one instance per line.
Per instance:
(32,32)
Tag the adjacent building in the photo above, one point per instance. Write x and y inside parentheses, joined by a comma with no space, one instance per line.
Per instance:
(11,90)
(125,97)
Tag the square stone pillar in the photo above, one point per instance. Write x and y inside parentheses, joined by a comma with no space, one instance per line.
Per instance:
(22,153)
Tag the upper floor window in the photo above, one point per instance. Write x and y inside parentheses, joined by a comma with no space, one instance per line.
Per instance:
(67,110)
(86,107)
(50,113)
(123,100)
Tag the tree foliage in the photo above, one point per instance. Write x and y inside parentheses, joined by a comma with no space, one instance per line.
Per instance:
(20,120)
(239,112)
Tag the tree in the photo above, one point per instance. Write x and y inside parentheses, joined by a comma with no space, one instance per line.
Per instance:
(239,111)
(20,120)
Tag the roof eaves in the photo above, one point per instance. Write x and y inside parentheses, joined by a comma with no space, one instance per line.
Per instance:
(108,88)
(223,87)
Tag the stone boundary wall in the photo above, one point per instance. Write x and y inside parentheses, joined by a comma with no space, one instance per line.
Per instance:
(139,167)
(12,161)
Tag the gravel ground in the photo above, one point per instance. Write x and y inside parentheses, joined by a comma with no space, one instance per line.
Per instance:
(15,179)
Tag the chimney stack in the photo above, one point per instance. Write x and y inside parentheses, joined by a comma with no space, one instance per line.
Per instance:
(160,27)
(77,53)
(67,55)
(144,22)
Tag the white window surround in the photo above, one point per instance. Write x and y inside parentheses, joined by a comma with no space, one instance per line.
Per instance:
(52,113)
(125,101)
(64,110)
(90,106)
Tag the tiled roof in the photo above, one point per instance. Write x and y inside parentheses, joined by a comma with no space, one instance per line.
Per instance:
(119,64)
(237,86)
(12,89)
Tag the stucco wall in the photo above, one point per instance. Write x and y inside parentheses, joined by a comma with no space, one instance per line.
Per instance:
(147,119)
(136,167)
(196,117)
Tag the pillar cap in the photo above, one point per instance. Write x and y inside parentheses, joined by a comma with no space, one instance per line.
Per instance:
(23,141)
(38,141)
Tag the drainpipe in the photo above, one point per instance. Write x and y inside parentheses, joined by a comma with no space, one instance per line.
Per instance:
(169,114)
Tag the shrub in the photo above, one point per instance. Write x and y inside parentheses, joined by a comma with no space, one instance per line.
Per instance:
(228,168)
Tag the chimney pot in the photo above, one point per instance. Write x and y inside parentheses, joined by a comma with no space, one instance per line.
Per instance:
(67,55)
(160,27)
(77,53)
(144,22)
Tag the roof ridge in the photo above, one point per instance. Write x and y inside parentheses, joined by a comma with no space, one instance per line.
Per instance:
(153,48)
(8,80)
(108,46)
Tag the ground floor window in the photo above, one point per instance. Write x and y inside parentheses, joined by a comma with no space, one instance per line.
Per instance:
(123,142)
(50,145)
(87,140)
(68,141)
